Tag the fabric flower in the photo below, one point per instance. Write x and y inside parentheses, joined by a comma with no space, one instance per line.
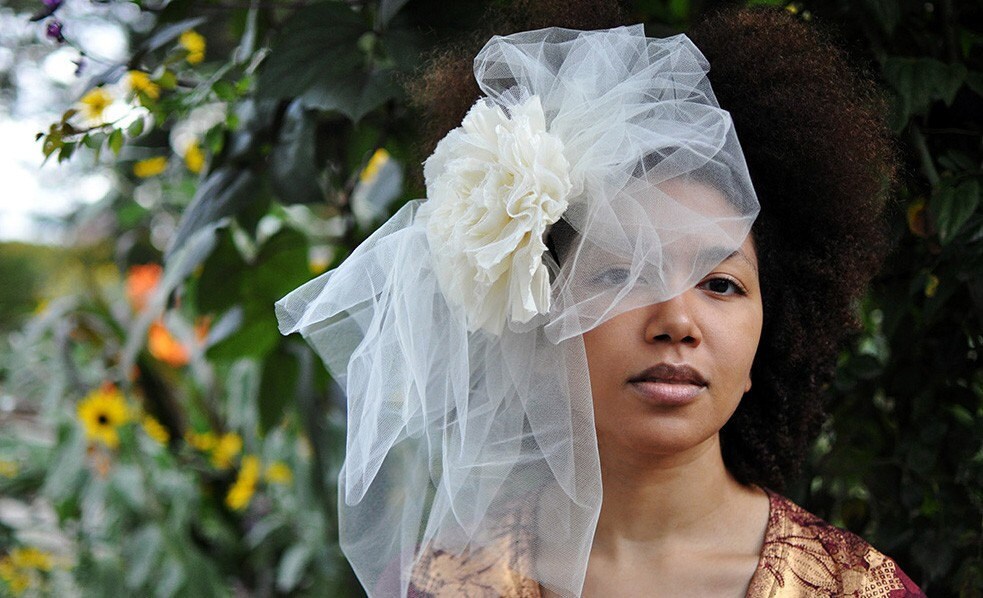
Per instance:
(494,185)
(102,412)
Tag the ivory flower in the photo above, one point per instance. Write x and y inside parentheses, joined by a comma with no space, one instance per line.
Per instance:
(494,185)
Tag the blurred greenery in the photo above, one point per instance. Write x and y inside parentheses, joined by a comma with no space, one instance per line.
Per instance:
(183,447)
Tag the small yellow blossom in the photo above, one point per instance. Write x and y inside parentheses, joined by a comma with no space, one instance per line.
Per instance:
(194,43)
(150,167)
(31,558)
(376,162)
(139,83)
(917,218)
(244,487)
(16,579)
(226,449)
(94,104)
(102,412)
(8,469)
(204,441)
(155,430)
(194,158)
(931,285)
(279,472)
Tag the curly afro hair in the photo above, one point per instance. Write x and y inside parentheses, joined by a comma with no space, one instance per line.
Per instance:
(822,162)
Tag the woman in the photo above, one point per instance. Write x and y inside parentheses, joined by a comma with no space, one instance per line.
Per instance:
(578,304)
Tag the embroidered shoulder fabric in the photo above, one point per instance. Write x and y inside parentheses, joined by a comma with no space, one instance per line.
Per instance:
(802,555)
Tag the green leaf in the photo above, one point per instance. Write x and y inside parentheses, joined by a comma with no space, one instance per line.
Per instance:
(256,338)
(316,58)
(226,191)
(294,171)
(219,285)
(128,485)
(66,151)
(136,128)
(172,578)
(974,81)
(920,81)
(952,206)
(278,388)
(292,566)
(225,90)
(116,141)
(143,550)
(387,10)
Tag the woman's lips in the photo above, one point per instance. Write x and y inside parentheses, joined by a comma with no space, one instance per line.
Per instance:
(668,384)
(667,394)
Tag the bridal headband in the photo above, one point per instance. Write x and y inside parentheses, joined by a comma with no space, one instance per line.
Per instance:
(596,175)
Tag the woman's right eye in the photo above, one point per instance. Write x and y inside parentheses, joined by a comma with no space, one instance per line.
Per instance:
(611,277)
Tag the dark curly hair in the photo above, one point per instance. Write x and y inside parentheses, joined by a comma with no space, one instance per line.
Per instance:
(822,162)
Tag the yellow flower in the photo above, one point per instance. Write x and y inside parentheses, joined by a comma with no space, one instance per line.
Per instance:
(31,558)
(16,580)
(8,469)
(94,103)
(155,430)
(102,412)
(376,162)
(194,158)
(279,472)
(931,285)
(204,441)
(150,167)
(139,82)
(244,487)
(228,446)
(194,43)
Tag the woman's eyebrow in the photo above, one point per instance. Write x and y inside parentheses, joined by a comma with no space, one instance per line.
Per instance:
(738,253)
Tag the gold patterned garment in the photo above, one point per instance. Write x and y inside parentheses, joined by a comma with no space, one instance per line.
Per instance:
(802,556)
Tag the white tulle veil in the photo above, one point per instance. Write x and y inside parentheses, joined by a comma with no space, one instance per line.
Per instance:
(456,334)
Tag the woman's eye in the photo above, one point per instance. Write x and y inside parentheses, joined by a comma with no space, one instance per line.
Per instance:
(722,286)
(611,277)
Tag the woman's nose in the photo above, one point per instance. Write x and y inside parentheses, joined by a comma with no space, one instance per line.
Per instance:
(672,321)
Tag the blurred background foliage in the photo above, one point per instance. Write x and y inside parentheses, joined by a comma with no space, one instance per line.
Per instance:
(159,437)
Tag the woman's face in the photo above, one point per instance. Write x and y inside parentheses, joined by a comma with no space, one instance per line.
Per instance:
(665,378)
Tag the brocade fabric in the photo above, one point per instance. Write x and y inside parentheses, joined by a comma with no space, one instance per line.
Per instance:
(802,555)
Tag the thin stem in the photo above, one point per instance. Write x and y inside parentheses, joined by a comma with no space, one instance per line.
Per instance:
(924,156)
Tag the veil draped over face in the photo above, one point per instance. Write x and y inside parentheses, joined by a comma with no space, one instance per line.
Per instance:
(456,334)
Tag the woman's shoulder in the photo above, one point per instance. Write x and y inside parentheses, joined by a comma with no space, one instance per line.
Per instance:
(804,555)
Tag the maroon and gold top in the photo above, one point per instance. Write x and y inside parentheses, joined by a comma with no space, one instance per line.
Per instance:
(802,555)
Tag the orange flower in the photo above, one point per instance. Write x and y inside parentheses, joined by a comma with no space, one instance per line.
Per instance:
(165,347)
(140,284)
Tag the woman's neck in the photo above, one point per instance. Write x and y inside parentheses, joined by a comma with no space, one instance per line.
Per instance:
(654,503)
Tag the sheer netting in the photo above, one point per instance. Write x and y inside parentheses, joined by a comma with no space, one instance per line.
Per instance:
(457,336)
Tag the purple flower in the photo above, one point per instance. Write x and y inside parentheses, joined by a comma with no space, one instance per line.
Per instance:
(53,31)
(52,4)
